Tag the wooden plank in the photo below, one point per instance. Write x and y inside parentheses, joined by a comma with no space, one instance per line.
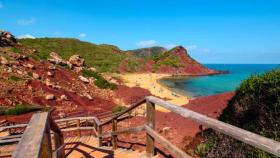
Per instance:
(123,131)
(250,138)
(78,128)
(99,131)
(133,106)
(10,137)
(33,137)
(13,126)
(178,153)
(10,140)
(114,137)
(60,152)
(150,118)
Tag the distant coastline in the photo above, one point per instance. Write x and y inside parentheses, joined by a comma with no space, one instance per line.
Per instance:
(194,86)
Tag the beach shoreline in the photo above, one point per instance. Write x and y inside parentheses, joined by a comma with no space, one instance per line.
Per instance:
(150,81)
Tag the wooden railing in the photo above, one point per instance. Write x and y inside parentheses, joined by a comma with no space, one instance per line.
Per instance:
(35,141)
(247,137)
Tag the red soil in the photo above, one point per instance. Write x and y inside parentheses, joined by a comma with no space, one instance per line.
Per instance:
(131,95)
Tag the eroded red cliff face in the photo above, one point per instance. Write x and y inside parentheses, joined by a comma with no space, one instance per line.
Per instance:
(177,61)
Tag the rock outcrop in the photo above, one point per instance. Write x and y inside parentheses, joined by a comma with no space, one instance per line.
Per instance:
(7,39)
(77,61)
(56,59)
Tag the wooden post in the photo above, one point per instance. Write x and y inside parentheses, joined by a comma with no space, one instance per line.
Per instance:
(46,148)
(150,117)
(114,137)
(99,131)
(78,126)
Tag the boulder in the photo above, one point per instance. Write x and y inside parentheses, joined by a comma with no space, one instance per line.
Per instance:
(51,67)
(35,75)
(92,69)
(63,97)
(85,80)
(49,97)
(56,59)
(50,74)
(4,61)
(7,39)
(77,61)
(30,66)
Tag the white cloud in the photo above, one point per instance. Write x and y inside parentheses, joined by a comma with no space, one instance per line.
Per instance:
(82,35)
(26,21)
(25,36)
(1,4)
(148,43)
(170,46)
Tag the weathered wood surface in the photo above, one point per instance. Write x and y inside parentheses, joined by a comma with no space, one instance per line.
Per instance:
(33,138)
(13,126)
(10,137)
(114,137)
(4,141)
(150,121)
(178,153)
(250,138)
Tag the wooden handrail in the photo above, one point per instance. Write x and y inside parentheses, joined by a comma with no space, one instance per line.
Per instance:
(133,106)
(36,139)
(165,143)
(31,143)
(250,138)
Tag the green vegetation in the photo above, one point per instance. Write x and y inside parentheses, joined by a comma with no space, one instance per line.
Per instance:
(167,58)
(15,78)
(148,52)
(118,109)
(104,57)
(100,81)
(16,50)
(132,65)
(256,108)
(18,109)
(203,148)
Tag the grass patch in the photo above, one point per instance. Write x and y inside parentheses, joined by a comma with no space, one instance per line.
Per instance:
(16,50)
(118,109)
(100,81)
(19,109)
(103,57)
(15,78)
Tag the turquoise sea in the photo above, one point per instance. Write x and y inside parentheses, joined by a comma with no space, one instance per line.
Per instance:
(209,85)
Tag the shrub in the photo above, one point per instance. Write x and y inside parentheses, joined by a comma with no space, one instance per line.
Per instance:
(16,50)
(100,81)
(256,108)
(21,109)
(15,78)
(118,109)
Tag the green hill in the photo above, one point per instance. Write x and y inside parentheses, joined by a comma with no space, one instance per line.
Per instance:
(148,52)
(103,57)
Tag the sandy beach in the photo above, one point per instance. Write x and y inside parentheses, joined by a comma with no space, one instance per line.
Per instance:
(150,81)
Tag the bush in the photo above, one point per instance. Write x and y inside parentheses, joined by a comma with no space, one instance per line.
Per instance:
(21,109)
(100,81)
(118,109)
(15,78)
(256,108)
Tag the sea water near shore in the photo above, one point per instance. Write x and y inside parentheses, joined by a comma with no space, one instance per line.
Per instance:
(208,85)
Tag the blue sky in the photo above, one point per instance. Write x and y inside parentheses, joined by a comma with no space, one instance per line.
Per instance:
(214,31)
